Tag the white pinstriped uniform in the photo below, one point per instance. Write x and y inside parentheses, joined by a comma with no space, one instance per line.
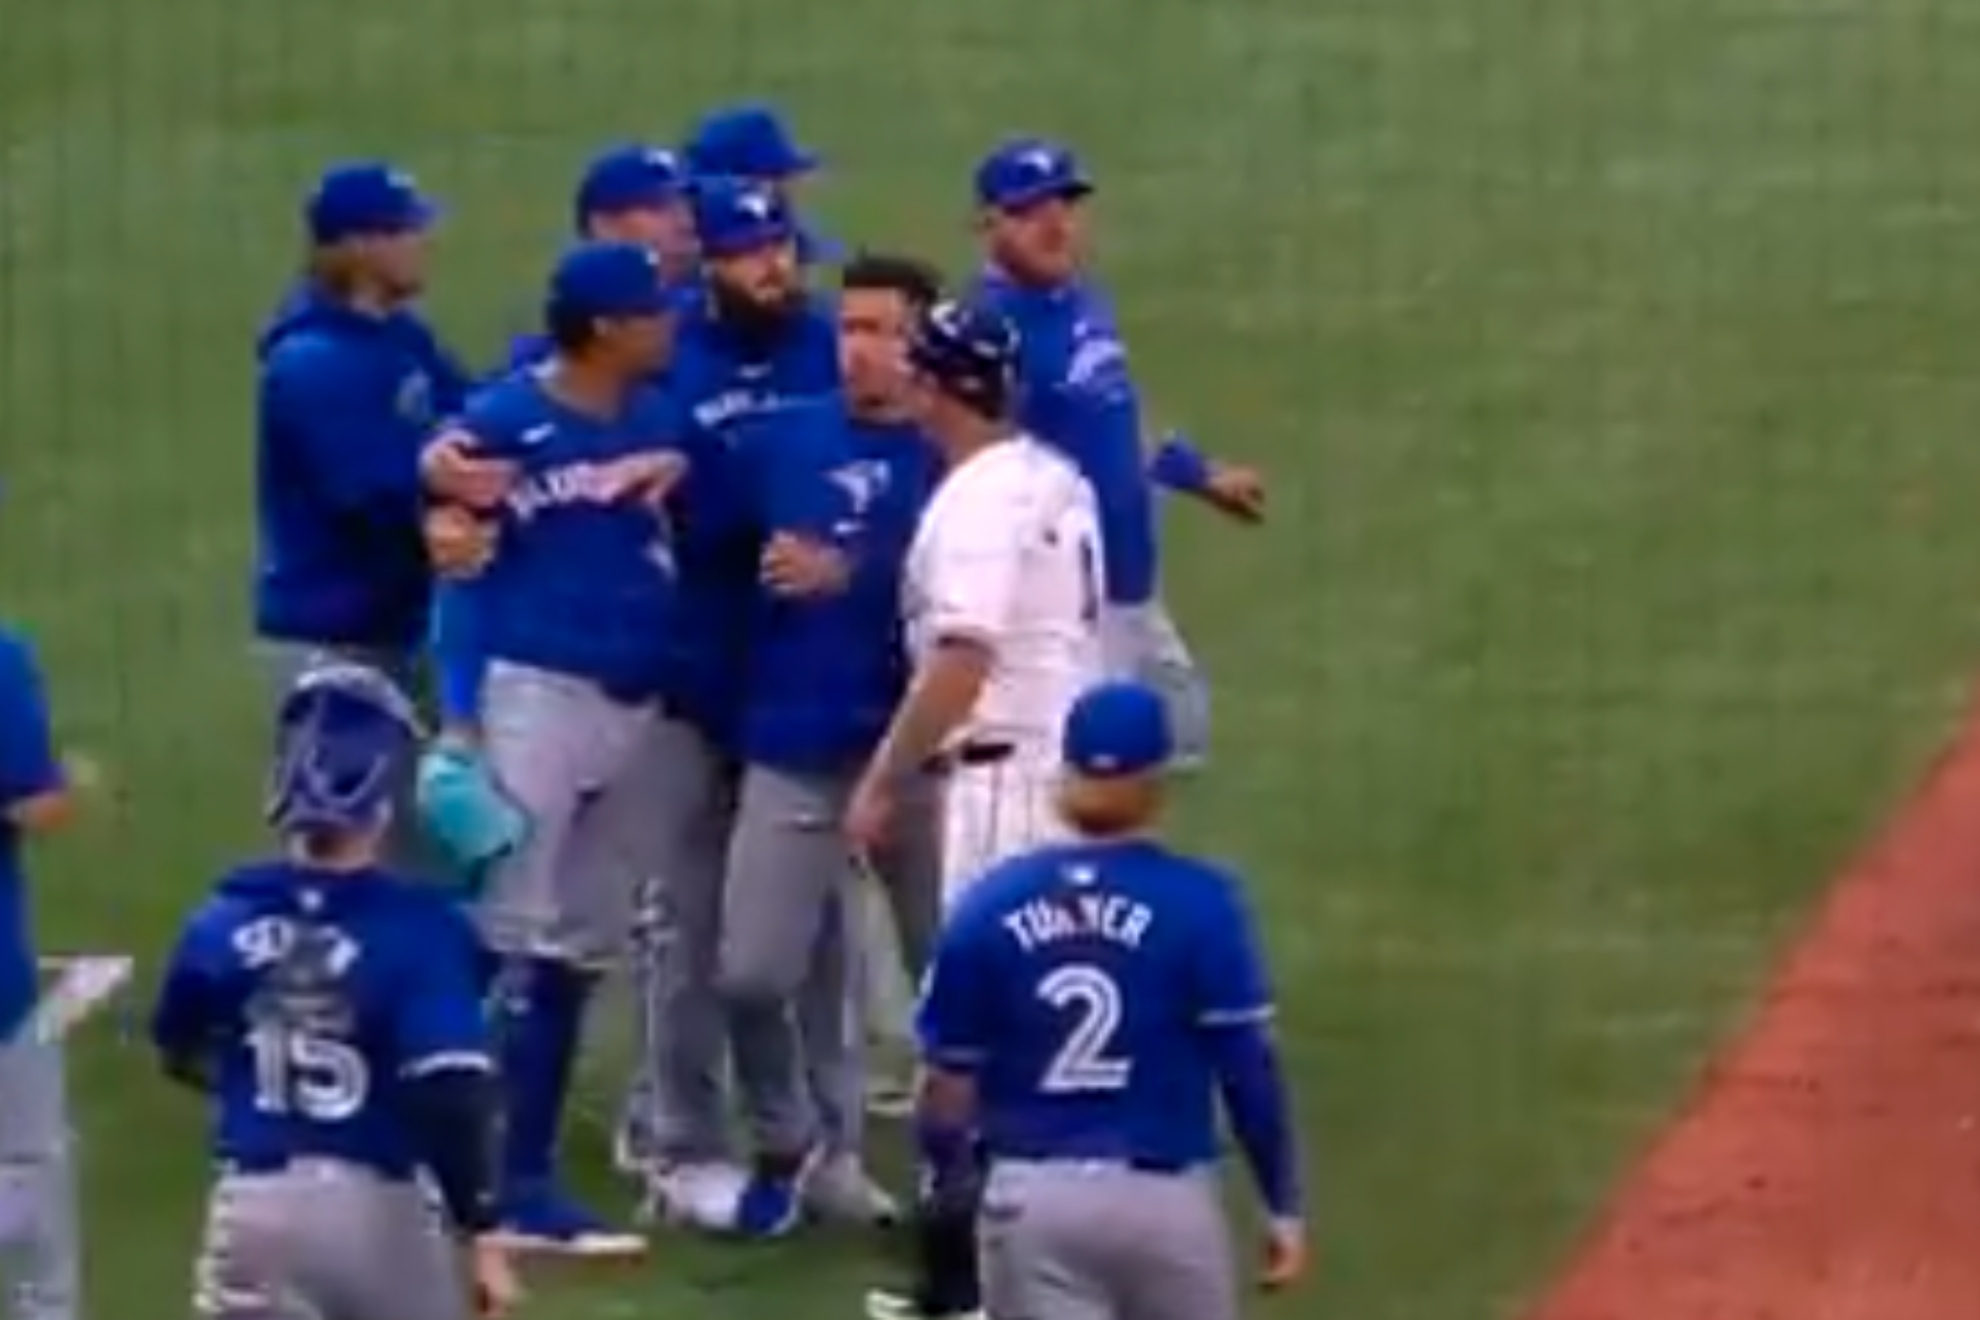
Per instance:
(1008,554)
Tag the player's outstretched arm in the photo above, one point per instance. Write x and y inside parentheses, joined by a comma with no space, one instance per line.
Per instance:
(1179,465)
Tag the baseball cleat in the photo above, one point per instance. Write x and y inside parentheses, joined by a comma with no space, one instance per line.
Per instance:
(541,1220)
(699,1194)
(840,1191)
(889,1304)
(773,1199)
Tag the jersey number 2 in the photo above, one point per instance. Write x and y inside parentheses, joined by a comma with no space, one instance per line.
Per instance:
(1092,999)
(312,1077)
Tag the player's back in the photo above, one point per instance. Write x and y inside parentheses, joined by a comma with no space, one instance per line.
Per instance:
(302,995)
(1093,963)
(1019,523)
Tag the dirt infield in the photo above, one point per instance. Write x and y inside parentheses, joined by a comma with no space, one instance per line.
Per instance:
(1829,1166)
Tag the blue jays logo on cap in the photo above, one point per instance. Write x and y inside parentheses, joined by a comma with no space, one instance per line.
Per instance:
(1026,171)
(734,216)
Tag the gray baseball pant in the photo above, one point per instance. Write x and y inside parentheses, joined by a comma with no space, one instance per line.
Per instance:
(598,780)
(792,943)
(406,845)
(326,1240)
(40,1243)
(1142,643)
(1100,1241)
(676,1104)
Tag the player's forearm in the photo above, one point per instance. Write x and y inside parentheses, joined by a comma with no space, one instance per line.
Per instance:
(1180,466)
(453,1114)
(938,702)
(1255,1097)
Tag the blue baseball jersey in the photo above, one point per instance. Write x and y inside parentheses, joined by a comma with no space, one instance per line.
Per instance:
(29,768)
(1078,985)
(824,675)
(1075,391)
(725,381)
(346,399)
(308,999)
(583,579)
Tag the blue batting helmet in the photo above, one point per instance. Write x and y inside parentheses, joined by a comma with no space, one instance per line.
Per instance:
(344,736)
(969,350)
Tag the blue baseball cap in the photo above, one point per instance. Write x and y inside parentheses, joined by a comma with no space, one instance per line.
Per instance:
(366,199)
(1115,730)
(1025,171)
(630,178)
(609,281)
(733,216)
(749,142)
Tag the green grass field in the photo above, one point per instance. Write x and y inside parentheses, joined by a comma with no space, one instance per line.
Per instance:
(1611,357)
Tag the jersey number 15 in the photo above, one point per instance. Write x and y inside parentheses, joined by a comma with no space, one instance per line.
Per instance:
(1090,1000)
(311,1077)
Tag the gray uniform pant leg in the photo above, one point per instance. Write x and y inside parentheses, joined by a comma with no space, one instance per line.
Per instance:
(1142,643)
(683,1022)
(1073,1241)
(788,873)
(40,1243)
(323,1240)
(585,770)
(407,846)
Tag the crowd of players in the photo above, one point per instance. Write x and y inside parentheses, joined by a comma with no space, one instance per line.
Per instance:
(742,605)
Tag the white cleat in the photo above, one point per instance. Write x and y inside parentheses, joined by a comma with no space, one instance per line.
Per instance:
(699,1194)
(886,1304)
(840,1191)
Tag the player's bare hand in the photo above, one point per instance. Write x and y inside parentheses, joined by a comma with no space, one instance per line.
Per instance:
(450,470)
(648,477)
(1285,1255)
(800,566)
(1237,492)
(869,816)
(492,1273)
(458,544)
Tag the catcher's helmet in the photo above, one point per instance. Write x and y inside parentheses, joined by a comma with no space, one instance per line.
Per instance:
(344,737)
(969,350)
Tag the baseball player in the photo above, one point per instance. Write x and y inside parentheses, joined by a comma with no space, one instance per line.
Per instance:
(1078,394)
(331,1012)
(823,673)
(630,194)
(575,630)
(1001,595)
(39,1247)
(1088,1004)
(752,143)
(759,347)
(351,382)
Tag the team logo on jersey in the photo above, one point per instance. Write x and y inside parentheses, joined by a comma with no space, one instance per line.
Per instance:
(863,483)
(1099,360)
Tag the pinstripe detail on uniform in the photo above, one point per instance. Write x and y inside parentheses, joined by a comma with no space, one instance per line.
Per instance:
(993,812)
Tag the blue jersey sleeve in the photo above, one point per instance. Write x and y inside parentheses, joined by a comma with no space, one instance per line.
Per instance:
(440,1027)
(344,429)
(953,1023)
(1231,985)
(460,659)
(185,1016)
(29,765)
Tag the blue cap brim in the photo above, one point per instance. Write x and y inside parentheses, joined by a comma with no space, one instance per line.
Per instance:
(1064,190)
(750,240)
